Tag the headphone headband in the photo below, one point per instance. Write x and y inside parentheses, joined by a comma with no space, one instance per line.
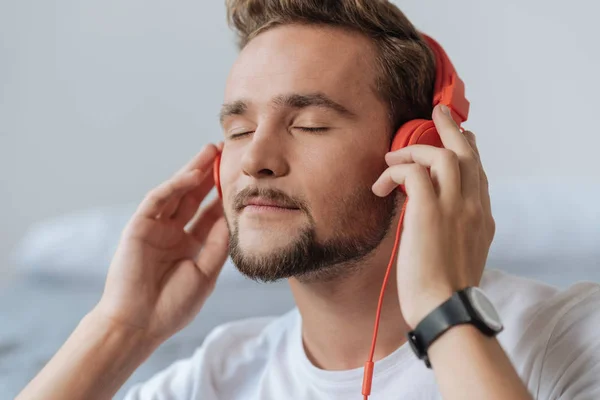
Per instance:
(449,88)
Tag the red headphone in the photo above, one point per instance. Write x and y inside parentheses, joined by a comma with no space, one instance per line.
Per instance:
(449,90)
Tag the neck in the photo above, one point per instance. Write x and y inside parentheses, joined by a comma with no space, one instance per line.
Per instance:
(338,316)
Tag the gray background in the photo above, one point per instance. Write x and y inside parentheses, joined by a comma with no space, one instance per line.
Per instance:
(102,100)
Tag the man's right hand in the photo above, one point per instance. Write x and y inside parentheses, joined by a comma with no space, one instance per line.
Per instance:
(163,270)
(161,273)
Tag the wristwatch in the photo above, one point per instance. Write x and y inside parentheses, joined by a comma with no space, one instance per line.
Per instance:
(467,306)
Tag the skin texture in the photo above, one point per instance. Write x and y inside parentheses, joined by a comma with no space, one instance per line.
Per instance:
(162,273)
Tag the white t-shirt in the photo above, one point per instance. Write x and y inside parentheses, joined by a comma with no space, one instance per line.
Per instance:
(551,336)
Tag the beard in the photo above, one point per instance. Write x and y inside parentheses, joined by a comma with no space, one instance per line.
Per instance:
(362,222)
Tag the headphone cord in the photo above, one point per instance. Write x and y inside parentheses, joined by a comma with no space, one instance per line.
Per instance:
(368,372)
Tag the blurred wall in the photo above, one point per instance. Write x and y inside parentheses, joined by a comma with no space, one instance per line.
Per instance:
(100,101)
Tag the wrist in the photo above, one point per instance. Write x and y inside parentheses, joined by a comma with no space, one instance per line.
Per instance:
(134,339)
(467,306)
(458,335)
(416,310)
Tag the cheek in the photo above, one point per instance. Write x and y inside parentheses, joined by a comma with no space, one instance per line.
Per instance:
(228,172)
(343,170)
(337,190)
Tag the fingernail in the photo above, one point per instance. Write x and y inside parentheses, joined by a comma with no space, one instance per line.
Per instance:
(445,109)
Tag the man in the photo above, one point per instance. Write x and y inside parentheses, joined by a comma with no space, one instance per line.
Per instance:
(309,194)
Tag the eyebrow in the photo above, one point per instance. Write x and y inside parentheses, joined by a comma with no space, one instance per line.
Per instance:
(294,100)
(320,100)
(238,107)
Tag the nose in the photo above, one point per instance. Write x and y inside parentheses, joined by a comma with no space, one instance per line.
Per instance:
(265,156)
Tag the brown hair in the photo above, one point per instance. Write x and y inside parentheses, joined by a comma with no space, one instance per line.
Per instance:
(405,64)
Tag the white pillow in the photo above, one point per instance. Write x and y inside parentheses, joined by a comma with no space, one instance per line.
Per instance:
(75,245)
(80,245)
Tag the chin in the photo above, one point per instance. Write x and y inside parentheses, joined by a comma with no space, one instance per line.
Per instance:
(263,237)
(268,255)
(264,243)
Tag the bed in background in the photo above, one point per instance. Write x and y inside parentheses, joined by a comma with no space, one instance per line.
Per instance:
(544,231)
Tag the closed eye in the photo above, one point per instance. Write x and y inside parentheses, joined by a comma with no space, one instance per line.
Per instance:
(316,129)
(238,135)
(302,128)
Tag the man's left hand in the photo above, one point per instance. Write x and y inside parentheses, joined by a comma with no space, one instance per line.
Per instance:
(448,225)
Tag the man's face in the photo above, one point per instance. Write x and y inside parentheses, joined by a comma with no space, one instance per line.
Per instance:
(305,139)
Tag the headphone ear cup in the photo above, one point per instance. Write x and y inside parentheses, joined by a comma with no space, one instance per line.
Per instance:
(417,131)
(427,134)
(217,175)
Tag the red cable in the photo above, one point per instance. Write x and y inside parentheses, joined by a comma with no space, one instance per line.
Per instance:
(368,374)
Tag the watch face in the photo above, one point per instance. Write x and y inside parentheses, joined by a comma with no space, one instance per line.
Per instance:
(484,308)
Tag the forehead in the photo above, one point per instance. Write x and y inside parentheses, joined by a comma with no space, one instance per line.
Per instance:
(304,58)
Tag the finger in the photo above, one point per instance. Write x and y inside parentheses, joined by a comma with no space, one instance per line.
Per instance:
(470,138)
(443,165)
(188,207)
(484,189)
(173,205)
(193,200)
(413,177)
(169,209)
(204,188)
(202,160)
(453,139)
(214,252)
(202,224)
(450,134)
(156,200)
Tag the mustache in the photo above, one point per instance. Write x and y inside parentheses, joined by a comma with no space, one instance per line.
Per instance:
(269,194)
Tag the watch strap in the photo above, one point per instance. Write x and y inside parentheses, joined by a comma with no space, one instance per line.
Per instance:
(452,312)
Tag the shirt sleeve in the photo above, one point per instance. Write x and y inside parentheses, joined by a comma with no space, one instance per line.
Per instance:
(571,365)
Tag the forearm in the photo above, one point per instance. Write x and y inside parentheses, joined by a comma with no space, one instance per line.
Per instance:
(94,363)
(467,364)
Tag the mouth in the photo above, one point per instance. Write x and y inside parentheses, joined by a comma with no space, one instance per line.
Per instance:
(257,204)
